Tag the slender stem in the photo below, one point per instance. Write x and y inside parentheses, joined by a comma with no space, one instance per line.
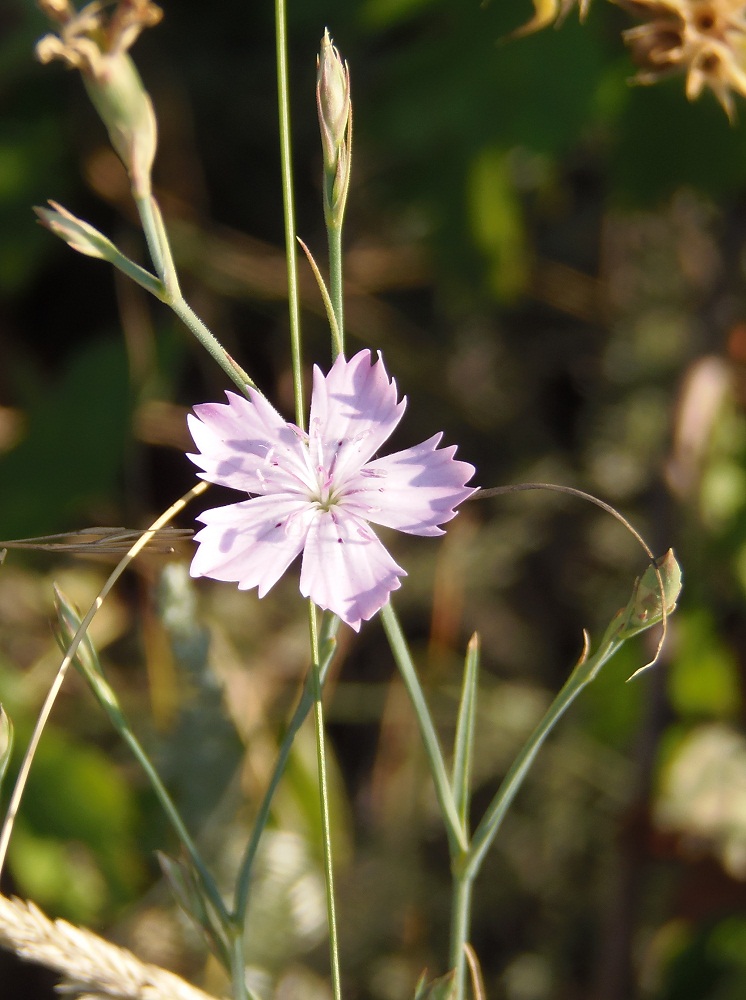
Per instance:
(324,803)
(336,289)
(243,882)
(238,966)
(210,343)
(166,803)
(490,823)
(288,205)
(123,563)
(152,236)
(454,828)
(160,252)
(20,784)
(460,923)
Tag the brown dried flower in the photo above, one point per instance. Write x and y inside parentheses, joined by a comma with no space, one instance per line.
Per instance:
(704,39)
(96,43)
(89,38)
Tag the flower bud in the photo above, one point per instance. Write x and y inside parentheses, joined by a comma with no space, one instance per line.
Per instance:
(332,99)
(335,117)
(658,588)
(79,235)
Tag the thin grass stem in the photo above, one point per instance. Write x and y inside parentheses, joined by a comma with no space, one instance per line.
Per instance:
(283,91)
(324,803)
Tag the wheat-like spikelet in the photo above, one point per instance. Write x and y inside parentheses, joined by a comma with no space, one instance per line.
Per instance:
(90,965)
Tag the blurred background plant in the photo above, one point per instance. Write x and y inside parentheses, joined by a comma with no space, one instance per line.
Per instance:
(552,262)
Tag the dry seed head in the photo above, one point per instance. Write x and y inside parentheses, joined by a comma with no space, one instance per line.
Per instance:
(97,44)
(89,37)
(704,39)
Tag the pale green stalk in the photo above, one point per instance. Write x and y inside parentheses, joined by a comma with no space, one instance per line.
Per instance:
(154,237)
(295,346)
(463,750)
(336,289)
(238,966)
(208,884)
(160,252)
(460,925)
(289,206)
(211,344)
(243,882)
(324,803)
(457,838)
(582,675)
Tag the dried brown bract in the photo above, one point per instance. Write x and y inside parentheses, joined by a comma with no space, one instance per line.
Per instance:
(704,39)
(87,38)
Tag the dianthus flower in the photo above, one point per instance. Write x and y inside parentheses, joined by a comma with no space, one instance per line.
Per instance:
(315,493)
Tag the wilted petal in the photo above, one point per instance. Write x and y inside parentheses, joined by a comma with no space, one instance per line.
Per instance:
(413,490)
(253,542)
(345,568)
(353,411)
(247,446)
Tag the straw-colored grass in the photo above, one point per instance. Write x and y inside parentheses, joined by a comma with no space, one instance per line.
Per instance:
(90,967)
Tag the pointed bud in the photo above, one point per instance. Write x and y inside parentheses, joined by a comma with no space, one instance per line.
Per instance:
(645,607)
(335,116)
(79,235)
(84,238)
(332,99)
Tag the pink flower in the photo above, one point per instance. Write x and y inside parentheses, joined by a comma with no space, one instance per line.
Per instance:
(315,493)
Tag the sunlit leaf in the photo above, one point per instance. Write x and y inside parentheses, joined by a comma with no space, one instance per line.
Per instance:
(6,741)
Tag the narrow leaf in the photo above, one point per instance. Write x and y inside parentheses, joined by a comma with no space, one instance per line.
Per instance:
(86,658)
(443,988)
(6,741)
(463,749)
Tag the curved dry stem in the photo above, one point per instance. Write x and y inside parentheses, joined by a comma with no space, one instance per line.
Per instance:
(496,491)
(134,551)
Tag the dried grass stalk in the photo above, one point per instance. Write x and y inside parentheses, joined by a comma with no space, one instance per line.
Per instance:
(90,965)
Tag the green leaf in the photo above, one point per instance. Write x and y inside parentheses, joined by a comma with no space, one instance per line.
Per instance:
(443,988)
(464,742)
(85,657)
(184,883)
(6,741)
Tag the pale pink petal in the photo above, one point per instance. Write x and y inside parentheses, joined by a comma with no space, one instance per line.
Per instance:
(354,409)
(247,446)
(253,542)
(413,490)
(345,567)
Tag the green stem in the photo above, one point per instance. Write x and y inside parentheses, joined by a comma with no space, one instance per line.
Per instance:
(288,205)
(210,343)
(243,882)
(456,834)
(460,923)
(241,989)
(324,804)
(490,823)
(153,237)
(160,252)
(336,289)
(172,813)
